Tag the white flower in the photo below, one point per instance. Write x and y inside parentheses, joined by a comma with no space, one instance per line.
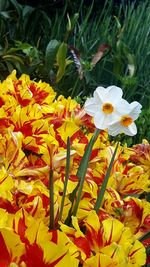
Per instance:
(105,105)
(126,124)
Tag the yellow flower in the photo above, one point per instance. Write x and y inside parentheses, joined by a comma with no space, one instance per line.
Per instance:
(11,248)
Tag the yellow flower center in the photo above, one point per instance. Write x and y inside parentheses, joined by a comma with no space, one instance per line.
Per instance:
(107,108)
(126,120)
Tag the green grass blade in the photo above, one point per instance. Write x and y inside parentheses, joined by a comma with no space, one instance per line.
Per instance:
(104,184)
(66,178)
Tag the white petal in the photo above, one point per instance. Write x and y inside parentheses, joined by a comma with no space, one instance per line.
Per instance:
(114,128)
(122,107)
(131,130)
(100,94)
(135,110)
(91,106)
(100,121)
(114,94)
(117,128)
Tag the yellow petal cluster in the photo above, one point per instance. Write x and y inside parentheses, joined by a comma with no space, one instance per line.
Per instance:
(34,127)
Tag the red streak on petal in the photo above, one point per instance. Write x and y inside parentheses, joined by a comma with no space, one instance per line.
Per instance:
(54,236)
(5,258)
(83,244)
(1,102)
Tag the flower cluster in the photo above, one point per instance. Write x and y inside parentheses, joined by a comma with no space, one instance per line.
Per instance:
(34,126)
(112,112)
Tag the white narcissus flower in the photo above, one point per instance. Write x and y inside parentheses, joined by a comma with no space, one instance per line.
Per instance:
(110,111)
(105,105)
(125,123)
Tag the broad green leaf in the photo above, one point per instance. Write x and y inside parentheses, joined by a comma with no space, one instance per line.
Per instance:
(61,61)
(51,52)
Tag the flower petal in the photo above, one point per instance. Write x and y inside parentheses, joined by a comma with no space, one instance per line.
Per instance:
(114,94)
(115,128)
(91,106)
(123,107)
(101,120)
(131,130)
(135,109)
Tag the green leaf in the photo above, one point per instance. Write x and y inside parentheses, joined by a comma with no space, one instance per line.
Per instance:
(71,24)
(148,197)
(19,47)
(145,236)
(104,184)
(66,178)
(13,58)
(17,6)
(131,64)
(3,5)
(5,14)
(117,23)
(61,61)
(27,10)
(83,169)
(51,51)
(51,191)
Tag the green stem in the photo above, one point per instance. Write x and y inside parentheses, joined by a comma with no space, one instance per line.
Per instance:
(66,178)
(51,190)
(104,184)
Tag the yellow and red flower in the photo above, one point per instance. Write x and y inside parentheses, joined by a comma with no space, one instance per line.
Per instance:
(34,127)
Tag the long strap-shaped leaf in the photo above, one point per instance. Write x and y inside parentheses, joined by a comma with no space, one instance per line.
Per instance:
(83,169)
(104,184)
(145,236)
(51,191)
(66,178)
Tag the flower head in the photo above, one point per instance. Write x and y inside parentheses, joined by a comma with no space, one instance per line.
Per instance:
(125,124)
(110,111)
(103,105)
